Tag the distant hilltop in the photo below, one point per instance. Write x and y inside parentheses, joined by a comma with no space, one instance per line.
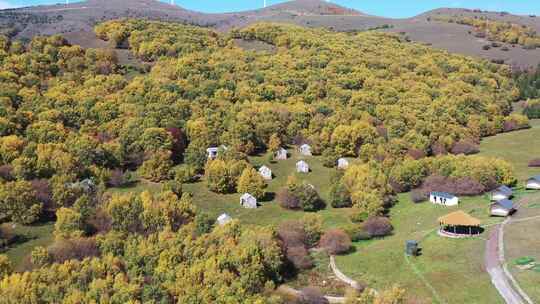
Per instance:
(78,19)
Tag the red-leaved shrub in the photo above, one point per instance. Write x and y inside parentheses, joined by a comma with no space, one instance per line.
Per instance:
(288,200)
(335,241)
(534,162)
(378,226)
(73,249)
(466,147)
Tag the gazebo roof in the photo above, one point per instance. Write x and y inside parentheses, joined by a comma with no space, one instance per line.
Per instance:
(459,218)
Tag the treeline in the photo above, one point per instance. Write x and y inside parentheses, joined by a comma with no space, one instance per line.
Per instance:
(494,30)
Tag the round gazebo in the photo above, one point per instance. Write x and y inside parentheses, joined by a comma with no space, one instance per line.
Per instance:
(459,224)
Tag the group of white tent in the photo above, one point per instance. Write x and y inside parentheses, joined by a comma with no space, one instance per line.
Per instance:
(249,201)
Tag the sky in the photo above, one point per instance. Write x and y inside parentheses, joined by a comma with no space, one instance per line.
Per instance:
(386,8)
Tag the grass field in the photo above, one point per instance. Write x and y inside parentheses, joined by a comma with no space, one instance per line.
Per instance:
(28,237)
(516,147)
(453,267)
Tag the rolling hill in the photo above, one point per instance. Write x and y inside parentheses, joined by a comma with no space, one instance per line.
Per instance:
(76,21)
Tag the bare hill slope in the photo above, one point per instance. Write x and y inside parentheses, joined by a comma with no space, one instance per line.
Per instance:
(74,19)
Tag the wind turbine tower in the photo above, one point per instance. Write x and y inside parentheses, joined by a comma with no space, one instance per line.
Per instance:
(264,3)
(172,2)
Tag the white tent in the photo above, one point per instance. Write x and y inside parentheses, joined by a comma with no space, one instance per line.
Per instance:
(533,183)
(212,152)
(265,172)
(223,219)
(281,154)
(248,201)
(302,167)
(342,163)
(305,150)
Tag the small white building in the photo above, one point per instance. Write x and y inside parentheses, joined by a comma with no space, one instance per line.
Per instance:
(223,219)
(342,163)
(265,172)
(443,198)
(302,167)
(533,183)
(305,150)
(503,192)
(504,207)
(281,154)
(212,152)
(248,201)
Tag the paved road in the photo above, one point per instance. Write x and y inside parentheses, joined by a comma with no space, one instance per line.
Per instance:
(499,277)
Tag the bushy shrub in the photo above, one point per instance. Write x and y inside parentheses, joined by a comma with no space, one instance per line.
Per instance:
(185,174)
(117,178)
(299,257)
(534,162)
(40,256)
(312,295)
(157,167)
(378,226)
(419,195)
(466,147)
(329,158)
(340,196)
(294,238)
(288,200)
(457,186)
(356,232)
(335,241)
(73,249)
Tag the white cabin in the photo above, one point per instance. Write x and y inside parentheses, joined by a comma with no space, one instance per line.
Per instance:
(501,193)
(248,201)
(443,198)
(305,150)
(342,163)
(212,152)
(503,207)
(281,154)
(533,183)
(223,219)
(265,172)
(302,167)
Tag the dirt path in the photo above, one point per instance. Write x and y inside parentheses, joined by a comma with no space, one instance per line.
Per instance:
(495,266)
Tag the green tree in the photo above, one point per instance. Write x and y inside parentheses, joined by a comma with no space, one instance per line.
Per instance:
(18,202)
(69,224)
(251,182)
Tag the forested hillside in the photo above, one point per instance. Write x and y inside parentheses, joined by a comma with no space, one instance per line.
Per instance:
(74,122)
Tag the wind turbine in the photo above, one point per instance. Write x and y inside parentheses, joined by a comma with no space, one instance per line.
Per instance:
(172,2)
(264,3)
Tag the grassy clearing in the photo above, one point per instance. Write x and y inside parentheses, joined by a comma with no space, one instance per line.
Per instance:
(270,213)
(516,147)
(28,237)
(454,268)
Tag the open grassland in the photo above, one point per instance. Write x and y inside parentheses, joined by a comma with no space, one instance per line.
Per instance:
(28,237)
(270,213)
(448,271)
(517,147)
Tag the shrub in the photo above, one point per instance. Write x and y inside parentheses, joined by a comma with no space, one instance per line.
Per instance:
(419,195)
(195,157)
(73,249)
(6,172)
(288,200)
(340,196)
(313,228)
(309,198)
(486,47)
(356,232)
(378,226)
(173,186)
(5,266)
(466,147)
(534,162)
(44,194)
(251,182)
(458,186)
(329,158)
(117,178)
(416,153)
(157,167)
(292,234)
(335,241)
(185,174)
(68,224)
(312,295)
(299,257)
(40,256)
